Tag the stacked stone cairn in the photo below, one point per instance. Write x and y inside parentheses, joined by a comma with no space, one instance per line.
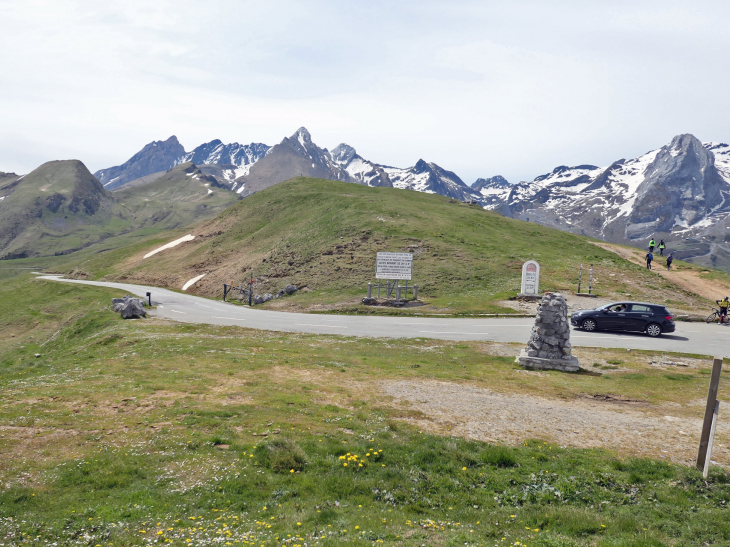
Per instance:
(549,344)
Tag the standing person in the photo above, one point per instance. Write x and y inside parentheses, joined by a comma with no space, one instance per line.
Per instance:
(724,303)
(661,247)
(670,258)
(652,244)
(649,258)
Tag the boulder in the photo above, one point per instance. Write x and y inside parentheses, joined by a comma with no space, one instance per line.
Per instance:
(118,304)
(281,293)
(290,289)
(258,299)
(268,297)
(133,309)
(370,301)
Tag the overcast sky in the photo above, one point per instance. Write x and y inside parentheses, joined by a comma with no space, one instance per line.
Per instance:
(482,88)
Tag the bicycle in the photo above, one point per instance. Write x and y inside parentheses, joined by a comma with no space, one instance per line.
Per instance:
(714,316)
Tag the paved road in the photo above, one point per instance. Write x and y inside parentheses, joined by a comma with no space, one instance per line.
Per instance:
(689,337)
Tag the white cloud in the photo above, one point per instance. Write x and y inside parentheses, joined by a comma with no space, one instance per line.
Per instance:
(513,88)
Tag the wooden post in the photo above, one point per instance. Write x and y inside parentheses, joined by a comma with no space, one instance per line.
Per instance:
(580,276)
(708,458)
(709,412)
(590,283)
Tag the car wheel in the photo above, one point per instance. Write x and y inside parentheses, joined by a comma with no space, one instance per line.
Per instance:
(589,325)
(653,330)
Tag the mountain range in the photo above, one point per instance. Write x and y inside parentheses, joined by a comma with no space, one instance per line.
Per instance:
(247,169)
(678,192)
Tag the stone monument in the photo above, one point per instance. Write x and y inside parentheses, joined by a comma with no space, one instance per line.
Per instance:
(549,344)
(530,287)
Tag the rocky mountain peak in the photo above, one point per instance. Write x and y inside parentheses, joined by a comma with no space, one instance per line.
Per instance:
(422,166)
(303,137)
(343,153)
(680,183)
(154,157)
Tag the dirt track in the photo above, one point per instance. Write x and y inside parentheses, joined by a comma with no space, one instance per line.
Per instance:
(689,280)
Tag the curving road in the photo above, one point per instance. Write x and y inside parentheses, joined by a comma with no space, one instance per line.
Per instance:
(689,338)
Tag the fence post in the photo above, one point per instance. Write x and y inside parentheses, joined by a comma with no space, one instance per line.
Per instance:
(708,458)
(709,413)
(580,277)
(415,292)
(370,290)
(590,283)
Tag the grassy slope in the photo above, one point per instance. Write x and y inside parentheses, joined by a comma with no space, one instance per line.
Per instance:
(324,235)
(144,430)
(29,225)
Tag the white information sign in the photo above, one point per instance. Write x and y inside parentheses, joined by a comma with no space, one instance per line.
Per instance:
(530,278)
(393,266)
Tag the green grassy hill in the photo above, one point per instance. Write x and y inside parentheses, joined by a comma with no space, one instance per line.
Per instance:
(323,235)
(61,207)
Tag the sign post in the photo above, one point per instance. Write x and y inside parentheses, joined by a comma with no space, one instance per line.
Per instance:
(530,279)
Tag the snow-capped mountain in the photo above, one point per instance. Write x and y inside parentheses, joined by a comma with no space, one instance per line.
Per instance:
(359,169)
(432,179)
(299,156)
(249,168)
(295,156)
(678,193)
(238,158)
(491,190)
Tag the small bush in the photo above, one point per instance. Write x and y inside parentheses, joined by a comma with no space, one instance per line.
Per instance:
(679,377)
(643,470)
(498,456)
(281,455)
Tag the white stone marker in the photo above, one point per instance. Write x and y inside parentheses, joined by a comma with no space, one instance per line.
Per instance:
(530,278)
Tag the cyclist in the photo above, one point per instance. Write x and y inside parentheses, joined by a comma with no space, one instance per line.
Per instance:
(724,303)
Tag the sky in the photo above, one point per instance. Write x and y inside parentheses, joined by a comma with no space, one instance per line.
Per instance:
(481,88)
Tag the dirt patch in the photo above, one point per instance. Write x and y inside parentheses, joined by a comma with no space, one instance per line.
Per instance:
(610,423)
(689,280)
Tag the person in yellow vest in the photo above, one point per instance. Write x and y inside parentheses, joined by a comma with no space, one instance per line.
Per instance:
(662,246)
(724,303)
(652,244)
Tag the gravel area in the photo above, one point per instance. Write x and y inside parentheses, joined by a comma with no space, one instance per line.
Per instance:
(627,427)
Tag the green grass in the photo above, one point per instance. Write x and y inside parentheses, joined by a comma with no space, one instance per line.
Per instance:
(125,432)
(324,235)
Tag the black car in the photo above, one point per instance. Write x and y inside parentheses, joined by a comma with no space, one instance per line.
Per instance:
(652,319)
